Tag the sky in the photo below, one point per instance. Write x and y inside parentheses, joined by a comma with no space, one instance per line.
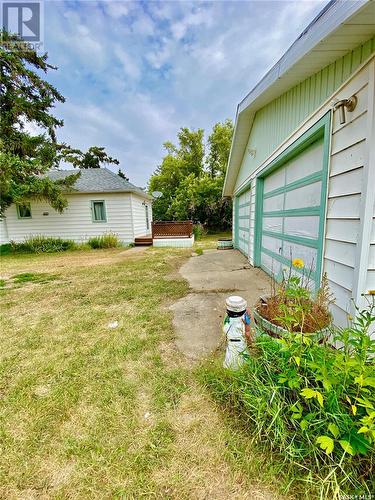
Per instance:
(133,73)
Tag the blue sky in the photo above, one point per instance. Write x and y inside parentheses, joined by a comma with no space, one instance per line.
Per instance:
(133,73)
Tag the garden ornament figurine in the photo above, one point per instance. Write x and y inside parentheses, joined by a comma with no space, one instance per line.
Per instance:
(237,331)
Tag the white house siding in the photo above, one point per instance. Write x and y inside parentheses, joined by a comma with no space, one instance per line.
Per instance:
(139,215)
(349,249)
(75,222)
(3,232)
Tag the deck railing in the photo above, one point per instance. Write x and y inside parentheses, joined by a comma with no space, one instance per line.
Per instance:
(172,229)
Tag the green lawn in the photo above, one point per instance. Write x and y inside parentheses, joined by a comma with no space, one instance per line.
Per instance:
(89,411)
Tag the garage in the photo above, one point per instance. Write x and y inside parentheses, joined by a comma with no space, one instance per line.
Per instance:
(291,208)
(242,223)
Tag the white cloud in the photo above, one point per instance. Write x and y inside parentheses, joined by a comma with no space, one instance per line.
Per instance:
(131,68)
(134,73)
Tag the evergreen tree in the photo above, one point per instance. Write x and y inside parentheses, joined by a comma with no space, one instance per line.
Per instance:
(26,102)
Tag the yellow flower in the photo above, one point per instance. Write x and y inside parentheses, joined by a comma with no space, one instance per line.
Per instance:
(350,317)
(298,263)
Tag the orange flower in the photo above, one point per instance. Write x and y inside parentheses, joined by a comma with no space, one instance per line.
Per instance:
(298,263)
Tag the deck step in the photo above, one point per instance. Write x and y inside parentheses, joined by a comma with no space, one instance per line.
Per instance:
(143,241)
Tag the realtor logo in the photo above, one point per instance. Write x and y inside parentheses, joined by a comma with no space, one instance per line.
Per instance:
(24,18)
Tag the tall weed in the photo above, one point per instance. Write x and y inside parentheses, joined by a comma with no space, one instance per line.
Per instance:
(42,244)
(312,403)
(106,240)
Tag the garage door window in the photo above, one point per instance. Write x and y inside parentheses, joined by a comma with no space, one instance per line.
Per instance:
(291,199)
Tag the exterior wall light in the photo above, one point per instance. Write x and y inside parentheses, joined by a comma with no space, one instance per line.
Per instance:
(350,104)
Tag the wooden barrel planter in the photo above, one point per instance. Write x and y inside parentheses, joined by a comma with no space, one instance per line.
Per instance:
(276,331)
(225,244)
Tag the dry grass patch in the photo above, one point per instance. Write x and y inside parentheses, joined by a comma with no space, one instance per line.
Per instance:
(89,411)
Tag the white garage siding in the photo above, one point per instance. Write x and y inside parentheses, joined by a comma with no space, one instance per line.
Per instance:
(347,259)
(139,215)
(349,242)
(76,221)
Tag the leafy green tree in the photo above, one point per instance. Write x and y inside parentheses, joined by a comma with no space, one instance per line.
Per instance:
(179,162)
(219,142)
(192,182)
(26,103)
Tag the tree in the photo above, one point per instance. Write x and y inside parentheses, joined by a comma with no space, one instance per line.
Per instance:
(94,157)
(192,183)
(179,162)
(121,174)
(26,102)
(219,143)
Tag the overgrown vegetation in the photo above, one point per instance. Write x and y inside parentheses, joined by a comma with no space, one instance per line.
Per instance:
(42,244)
(107,240)
(294,306)
(313,404)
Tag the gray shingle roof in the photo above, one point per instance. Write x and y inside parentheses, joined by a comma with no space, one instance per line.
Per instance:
(98,180)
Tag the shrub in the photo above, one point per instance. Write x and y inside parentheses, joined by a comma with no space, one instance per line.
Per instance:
(42,244)
(198,231)
(107,240)
(5,249)
(312,403)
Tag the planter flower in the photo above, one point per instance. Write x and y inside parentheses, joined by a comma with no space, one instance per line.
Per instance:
(293,308)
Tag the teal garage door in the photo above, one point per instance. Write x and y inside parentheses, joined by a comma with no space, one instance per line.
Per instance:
(292,209)
(243,222)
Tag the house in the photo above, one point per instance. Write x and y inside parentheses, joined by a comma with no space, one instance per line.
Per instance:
(99,202)
(301,170)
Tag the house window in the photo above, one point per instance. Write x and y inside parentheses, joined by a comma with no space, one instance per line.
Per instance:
(24,211)
(98,211)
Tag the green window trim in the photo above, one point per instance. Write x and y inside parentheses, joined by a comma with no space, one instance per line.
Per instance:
(243,205)
(22,206)
(102,210)
(320,130)
(294,212)
(246,229)
(299,240)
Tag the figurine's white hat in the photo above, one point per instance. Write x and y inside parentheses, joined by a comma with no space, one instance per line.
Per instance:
(236,303)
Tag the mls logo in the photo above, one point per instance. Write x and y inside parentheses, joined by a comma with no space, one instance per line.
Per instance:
(23,18)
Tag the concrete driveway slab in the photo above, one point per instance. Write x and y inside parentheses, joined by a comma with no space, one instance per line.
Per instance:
(212,277)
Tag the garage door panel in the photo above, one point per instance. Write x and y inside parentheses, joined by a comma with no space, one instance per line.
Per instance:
(306,227)
(274,180)
(273,244)
(305,196)
(273,204)
(272,265)
(308,255)
(273,224)
(243,222)
(291,218)
(305,164)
